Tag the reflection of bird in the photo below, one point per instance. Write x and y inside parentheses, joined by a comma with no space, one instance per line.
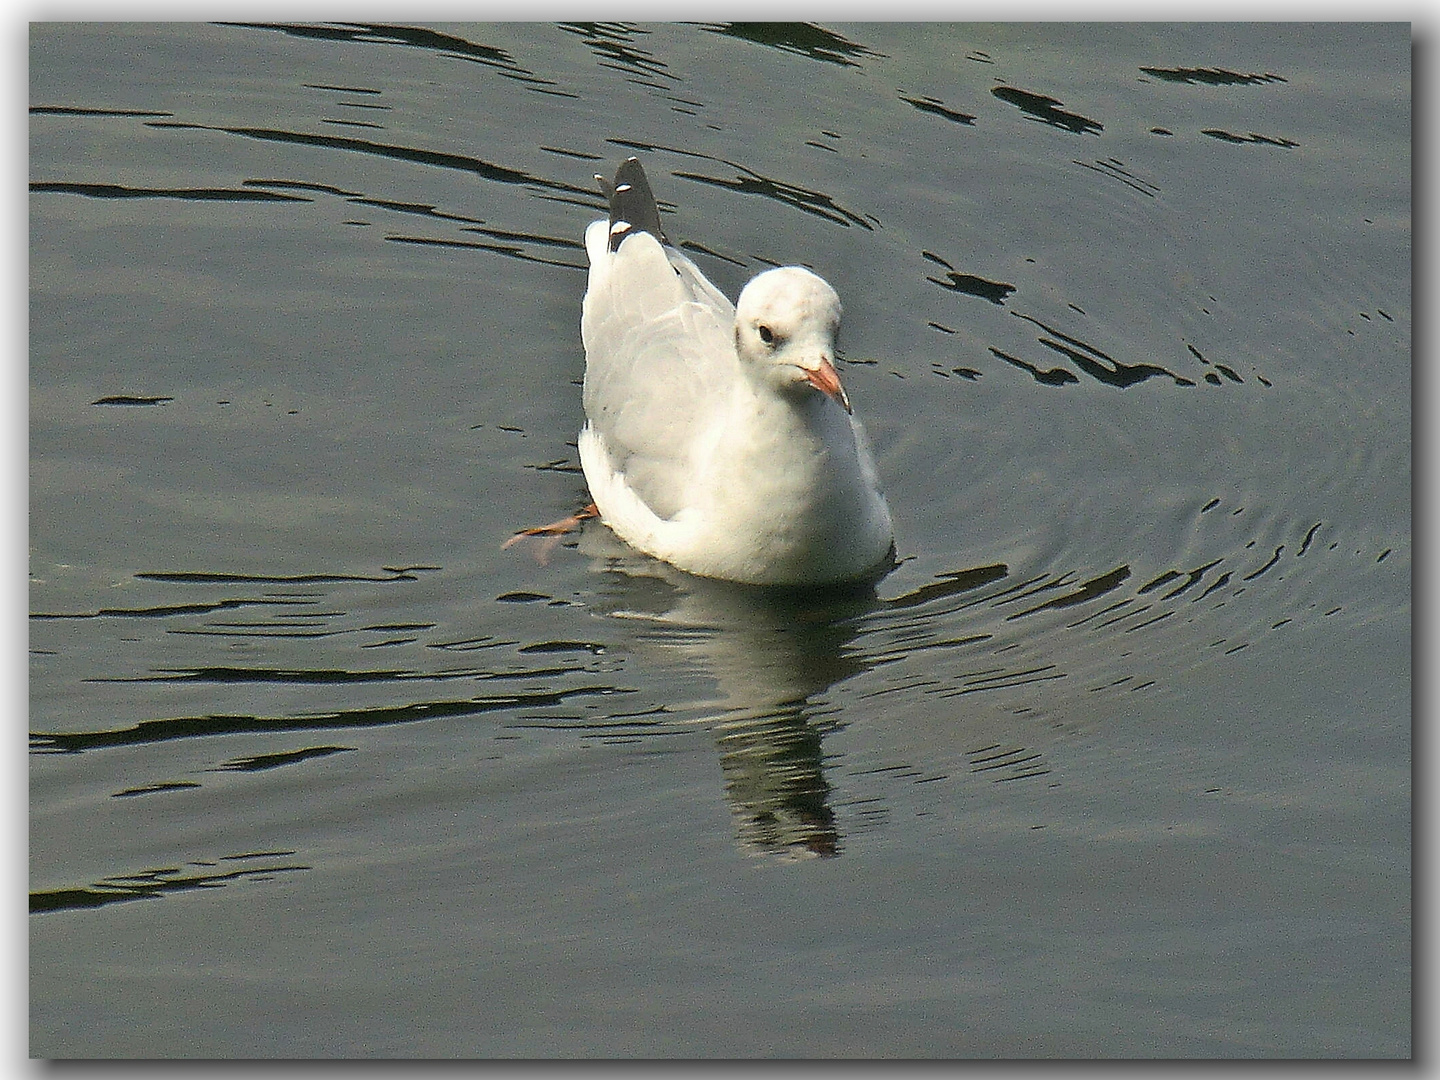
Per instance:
(717,438)
(775,784)
(772,654)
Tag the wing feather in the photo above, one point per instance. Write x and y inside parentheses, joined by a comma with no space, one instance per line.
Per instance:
(659,354)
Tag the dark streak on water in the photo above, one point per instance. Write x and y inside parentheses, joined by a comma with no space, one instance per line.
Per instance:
(1047,110)
(750,182)
(1209,76)
(938,108)
(262,762)
(994,291)
(119,191)
(150,884)
(1266,140)
(153,789)
(1093,361)
(382,34)
(188,727)
(438,158)
(72,110)
(132,399)
(1116,169)
(204,578)
(801,39)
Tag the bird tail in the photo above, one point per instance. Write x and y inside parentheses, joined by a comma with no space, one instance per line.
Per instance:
(632,204)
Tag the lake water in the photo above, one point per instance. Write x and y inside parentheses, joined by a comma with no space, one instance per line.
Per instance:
(1116,762)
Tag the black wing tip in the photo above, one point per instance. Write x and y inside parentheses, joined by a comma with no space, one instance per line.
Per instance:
(632,204)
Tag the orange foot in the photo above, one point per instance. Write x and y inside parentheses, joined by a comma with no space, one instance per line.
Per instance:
(550,534)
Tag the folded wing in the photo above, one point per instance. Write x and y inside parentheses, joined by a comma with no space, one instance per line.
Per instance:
(659,356)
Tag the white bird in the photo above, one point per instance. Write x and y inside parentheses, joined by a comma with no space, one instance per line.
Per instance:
(718,438)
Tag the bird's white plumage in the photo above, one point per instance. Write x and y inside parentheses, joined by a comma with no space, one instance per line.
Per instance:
(708,447)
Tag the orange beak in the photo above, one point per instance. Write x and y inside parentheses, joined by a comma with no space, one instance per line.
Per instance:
(825,379)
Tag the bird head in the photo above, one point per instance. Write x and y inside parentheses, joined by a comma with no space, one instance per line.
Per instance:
(785,326)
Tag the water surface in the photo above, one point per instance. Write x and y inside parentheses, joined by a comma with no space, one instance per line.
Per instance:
(1116,762)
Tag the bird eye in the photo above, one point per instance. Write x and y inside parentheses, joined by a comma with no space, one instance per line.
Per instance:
(766,335)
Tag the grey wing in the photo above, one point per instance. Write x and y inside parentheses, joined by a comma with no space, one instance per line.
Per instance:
(659,360)
(698,286)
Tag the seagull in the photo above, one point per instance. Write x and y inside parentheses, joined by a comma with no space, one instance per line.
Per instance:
(718,437)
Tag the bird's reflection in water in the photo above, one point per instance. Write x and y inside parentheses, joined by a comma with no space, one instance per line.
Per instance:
(772,654)
(775,785)
(780,654)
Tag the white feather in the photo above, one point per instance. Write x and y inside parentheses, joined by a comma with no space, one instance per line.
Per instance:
(721,462)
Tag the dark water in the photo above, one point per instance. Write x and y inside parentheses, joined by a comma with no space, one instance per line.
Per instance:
(1116,762)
